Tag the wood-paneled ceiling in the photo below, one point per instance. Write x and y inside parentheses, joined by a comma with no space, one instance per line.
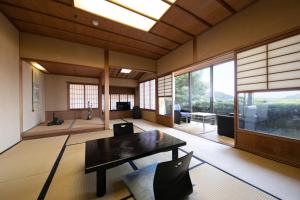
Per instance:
(60,19)
(85,71)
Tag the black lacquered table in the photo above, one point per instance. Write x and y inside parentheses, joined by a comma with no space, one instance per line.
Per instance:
(110,152)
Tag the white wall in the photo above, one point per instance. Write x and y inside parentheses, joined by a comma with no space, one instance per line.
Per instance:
(9,84)
(32,118)
(56,88)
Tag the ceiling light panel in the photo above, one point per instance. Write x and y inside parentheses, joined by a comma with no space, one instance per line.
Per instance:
(125,71)
(151,8)
(116,13)
(171,1)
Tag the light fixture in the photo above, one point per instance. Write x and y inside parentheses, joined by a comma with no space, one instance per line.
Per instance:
(95,22)
(125,71)
(151,8)
(38,66)
(116,13)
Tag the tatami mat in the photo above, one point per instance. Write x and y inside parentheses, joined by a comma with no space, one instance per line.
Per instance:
(44,128)
(70,181)
(278,179)
(83,123)
(211,183)
(25,167)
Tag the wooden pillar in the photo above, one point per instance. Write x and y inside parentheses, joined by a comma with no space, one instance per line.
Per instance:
(100,96)
(106,90)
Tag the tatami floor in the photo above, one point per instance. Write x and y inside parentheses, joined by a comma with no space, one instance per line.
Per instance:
(217,171)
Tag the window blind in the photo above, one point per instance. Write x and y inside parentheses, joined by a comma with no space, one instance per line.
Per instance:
(274,65)
(165,86)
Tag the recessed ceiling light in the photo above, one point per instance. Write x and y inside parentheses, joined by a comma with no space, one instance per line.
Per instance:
(125,71)
(38,66)
(95,22)
(116,13)
(151,8)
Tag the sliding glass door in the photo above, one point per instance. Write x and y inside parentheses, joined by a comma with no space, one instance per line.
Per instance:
(201,90)
(210,89)
(223,87)
(182,91)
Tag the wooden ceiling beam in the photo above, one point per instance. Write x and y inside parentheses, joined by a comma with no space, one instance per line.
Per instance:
(69,36)
(86,35)
(190,13)
(226,6)
(99,28)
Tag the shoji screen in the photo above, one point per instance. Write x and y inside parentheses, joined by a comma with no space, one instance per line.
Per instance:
(284,63)
(272,66)
(252,69)
(165,86)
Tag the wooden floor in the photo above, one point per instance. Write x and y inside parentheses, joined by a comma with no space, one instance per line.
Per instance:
(217,171)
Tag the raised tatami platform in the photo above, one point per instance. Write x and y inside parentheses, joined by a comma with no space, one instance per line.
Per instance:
(68,127)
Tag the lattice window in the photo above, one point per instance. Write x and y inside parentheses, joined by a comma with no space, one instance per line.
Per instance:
(147,95)
(91,96)
(142,97)
(114,98)
(131,100)
(81,94)
(76,96)
(123,98)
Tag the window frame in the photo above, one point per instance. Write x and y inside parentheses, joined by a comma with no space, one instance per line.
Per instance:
(84,97)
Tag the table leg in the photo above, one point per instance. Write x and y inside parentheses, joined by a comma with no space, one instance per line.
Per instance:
(101,182)
(175,153)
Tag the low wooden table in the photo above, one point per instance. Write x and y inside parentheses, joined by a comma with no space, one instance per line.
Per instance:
(204,116)
(110,152)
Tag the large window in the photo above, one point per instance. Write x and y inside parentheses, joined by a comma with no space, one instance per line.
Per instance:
(182,91)
(82,96)
(223,87)
(147,95)
(210,89)
(201,90)
(273,113)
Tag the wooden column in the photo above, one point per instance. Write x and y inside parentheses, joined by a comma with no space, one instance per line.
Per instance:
(100,95)
(106,90)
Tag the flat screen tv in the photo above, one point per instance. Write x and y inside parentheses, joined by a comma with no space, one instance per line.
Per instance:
(123,106)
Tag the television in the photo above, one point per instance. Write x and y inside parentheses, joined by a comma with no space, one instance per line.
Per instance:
(123,106)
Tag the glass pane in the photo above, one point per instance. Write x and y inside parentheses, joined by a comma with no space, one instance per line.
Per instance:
(114,98)
(147,95)
(123,98)
(201,90)
(152,99)
(142,105)
(274,113)
(223,85)
(165,105)
(182,91)
(76,92)
(91,96)
(131,100)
